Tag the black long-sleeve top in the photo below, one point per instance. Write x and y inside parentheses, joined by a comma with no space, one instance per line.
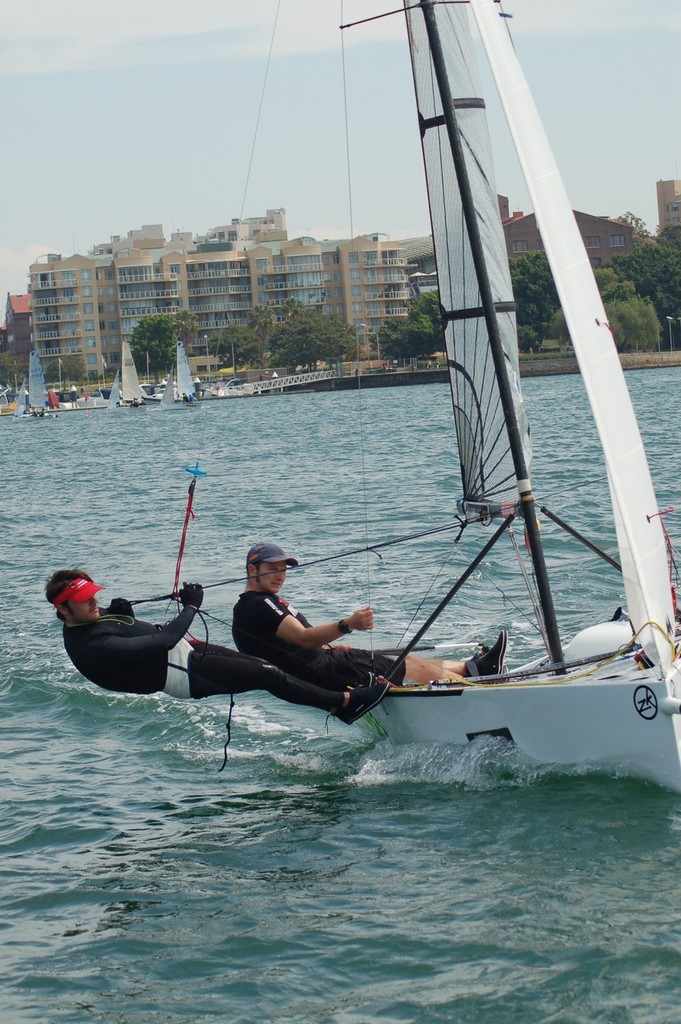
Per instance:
(124,654)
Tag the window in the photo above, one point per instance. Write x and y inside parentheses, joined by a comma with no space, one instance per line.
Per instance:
(261,264)
(91,358)
(353,257)
(87,293)
(88,307)
(113,325)
(86,275)
(89,325)
(354,275)
(616,240)
(90,343)
(356,291)
(519,245)
(592,241)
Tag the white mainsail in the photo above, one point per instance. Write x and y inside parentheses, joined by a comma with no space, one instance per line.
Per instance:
(185,384)
(487,467)
(115,396)
(130,385)
(37,388)
(168,400)
(640,535)
(20,404)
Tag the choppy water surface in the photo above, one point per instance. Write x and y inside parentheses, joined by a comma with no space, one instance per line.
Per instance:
(323,876)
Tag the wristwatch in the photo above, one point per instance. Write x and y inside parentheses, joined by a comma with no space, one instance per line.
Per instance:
(343,627)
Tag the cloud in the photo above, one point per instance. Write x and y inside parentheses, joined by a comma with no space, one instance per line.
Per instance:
(84,36)
(45,38)
(14,264)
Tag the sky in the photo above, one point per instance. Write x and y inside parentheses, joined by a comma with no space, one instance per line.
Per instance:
(188,115)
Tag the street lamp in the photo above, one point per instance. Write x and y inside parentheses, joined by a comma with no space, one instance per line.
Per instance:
(671,320)
(361,339)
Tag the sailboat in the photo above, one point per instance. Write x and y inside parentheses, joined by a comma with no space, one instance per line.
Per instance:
(38,401)
(114,400)
(610,698)
(131,392)
(21,402)
(183,396)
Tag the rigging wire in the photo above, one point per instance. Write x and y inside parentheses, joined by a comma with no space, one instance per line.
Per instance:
(360,403)
(257,120)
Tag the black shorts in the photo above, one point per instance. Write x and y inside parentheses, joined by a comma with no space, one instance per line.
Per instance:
(338,669)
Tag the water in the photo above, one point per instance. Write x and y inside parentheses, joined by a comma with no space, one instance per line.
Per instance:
(324,876)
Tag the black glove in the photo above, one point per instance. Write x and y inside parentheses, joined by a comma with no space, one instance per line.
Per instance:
(191,593)
(119,606)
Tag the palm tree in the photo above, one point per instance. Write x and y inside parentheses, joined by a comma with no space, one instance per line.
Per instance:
(261,323)
(186,325)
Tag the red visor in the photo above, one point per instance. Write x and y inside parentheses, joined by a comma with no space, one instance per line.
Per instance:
(77,590)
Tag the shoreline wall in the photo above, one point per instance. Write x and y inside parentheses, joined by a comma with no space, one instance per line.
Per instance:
(541,366)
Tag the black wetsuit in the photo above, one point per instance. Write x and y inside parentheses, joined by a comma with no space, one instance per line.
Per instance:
(130,656)
(256,619)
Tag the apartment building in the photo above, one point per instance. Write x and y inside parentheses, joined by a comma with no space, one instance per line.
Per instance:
(86,305)
(18,325)
(668,203)
(603,238)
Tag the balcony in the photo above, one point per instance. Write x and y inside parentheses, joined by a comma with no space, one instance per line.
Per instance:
(49,353)
(149,293)
(215,307)
(210,290)
(43,336)
(44,318)
(194,274)
(55,300)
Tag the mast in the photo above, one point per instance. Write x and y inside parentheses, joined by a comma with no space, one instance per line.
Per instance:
(527,504)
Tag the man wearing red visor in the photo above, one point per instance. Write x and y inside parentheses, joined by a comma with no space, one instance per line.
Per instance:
(118,652)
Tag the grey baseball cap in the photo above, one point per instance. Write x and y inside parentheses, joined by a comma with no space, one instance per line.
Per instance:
(268,553)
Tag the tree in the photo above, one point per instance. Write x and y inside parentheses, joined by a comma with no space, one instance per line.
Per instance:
(244,342)
(634,324)
(261,322)
(633,321)
(154,336)
(655,271)
(420,335)
(186,325)
(307,337)
(72,369)
(640,230)
(536,298)
(671,235)
(13,369)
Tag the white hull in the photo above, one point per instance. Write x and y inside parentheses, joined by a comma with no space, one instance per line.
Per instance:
(595,722)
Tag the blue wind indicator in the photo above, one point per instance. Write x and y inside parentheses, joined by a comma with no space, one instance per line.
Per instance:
(195,471)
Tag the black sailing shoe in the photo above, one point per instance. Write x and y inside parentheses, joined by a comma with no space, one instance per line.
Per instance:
(491,663)
(362,700)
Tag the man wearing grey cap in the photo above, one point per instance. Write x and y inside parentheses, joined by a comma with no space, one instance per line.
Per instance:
(267,626)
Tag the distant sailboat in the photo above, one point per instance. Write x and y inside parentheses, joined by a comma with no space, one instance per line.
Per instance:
(21,403)
(115,396)
(183,397)
(130,391)
(38,401)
